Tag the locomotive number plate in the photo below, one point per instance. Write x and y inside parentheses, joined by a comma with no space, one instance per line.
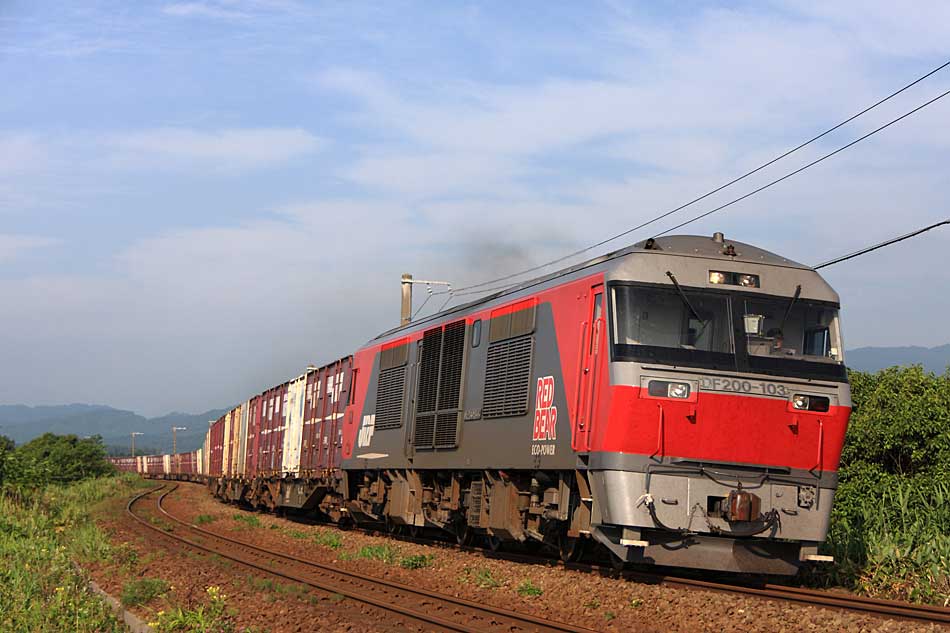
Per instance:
(739,385)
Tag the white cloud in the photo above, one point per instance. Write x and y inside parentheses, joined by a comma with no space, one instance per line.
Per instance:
(229,149)
(22,152)
(204,9)
(12,246)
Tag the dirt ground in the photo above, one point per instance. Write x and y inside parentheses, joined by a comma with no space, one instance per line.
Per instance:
(584,599)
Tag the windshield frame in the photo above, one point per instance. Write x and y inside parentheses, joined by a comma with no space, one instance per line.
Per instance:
(741,360)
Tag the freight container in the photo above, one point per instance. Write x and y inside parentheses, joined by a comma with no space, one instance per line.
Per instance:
(327,394)
(272,430)
(242,440)
(294,424)
(253,436)
(154,464)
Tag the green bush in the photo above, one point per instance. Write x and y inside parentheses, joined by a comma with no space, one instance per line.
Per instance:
(891,518)
(53,458)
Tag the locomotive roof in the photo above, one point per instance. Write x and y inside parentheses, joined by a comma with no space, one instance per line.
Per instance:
(704,246)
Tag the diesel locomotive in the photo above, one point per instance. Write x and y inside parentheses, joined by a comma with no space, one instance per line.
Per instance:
(680,402)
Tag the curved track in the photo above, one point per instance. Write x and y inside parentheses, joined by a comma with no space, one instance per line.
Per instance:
(430,609)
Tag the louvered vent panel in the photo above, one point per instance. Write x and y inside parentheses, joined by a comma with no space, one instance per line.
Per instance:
(446,430)
(507,378)
(429,370)
(424,435)
(389,394)
(453,349)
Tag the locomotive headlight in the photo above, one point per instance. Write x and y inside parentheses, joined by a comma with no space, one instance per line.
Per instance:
(716,277)
(821,404)
(749,281)
(666,389)
(678,390)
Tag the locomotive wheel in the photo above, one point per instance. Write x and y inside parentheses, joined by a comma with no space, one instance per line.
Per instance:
(463,534)
(391,526)
(415,531)
(570,548)
(494,543)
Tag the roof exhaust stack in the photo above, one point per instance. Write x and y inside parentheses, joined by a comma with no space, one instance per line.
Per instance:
(718,237)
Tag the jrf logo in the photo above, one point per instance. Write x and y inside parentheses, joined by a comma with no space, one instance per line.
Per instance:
(366,430)
(545,413)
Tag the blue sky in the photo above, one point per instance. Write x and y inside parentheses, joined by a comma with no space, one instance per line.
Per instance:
(199,198)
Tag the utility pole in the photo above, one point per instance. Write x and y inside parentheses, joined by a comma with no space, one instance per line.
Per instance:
(175,429)
(132,435)
(406,312)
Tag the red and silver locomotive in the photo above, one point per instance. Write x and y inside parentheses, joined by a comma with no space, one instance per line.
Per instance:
(680,402)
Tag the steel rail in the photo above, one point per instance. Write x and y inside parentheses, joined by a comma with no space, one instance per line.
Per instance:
(512,618)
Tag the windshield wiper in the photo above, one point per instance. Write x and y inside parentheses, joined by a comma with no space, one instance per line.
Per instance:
(791,304)
(686,302)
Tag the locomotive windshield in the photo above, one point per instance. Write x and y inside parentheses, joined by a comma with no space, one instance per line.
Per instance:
(780,336)
(791,330)
(659,317)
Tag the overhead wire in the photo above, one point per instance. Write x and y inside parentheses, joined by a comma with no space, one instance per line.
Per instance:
(806,166)
(717,189)
(868,249)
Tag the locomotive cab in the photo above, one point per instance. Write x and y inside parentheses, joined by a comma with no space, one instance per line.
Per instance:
(717,441)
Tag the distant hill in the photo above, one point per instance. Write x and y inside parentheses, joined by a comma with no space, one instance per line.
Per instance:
(22,423)
(935,359)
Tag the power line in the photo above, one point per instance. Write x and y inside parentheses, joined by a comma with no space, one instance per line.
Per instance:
(804,167)
(717,189)
(868,249)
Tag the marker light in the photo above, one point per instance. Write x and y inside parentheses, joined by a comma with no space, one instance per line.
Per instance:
(802,402)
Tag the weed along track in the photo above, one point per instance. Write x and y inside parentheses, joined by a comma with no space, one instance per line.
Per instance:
(429,609)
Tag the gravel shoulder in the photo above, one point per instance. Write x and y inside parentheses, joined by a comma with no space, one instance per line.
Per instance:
(584,599)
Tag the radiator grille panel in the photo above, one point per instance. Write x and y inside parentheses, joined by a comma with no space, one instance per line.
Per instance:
(424,435)
(440,387)
(389,398)
(508,378)
(429,370)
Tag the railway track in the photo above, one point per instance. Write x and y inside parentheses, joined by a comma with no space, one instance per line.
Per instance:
(766,591)
(430,609)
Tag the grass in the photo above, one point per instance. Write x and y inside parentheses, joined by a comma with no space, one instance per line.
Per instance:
(480,577)
(416,561)
(202,519)
(248,520)
(527,588)
(212,616)
(42,531)
(384,553)
(328,539)
(896,544)
(143,591)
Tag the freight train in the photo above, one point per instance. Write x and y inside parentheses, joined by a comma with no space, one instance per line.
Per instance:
(680,402)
